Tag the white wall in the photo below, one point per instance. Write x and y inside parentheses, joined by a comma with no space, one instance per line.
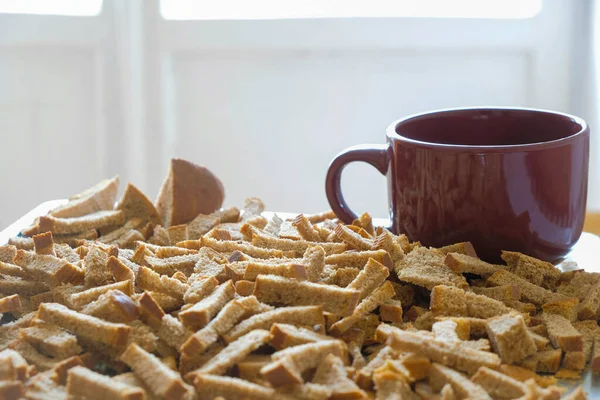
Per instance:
(265,104)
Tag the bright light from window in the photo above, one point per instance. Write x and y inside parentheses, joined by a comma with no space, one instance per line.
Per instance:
(274,9)
(52,7)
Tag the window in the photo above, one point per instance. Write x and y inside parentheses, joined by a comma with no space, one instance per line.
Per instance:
(52,7)
(274,9)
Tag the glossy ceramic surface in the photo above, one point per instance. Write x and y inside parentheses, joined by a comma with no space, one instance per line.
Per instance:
(513,179)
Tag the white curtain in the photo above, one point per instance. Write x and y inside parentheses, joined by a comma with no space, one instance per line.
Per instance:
(586,88)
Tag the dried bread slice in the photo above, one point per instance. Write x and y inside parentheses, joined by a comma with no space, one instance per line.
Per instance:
(450,330)
(448,300)
(331,372)
(170,265)
(307,391)
(358,259)
(561,333)
(504,293)
(86,326)
(479,306)
(10,304)
(130,378)
(590,330)
(391,386)
(382,294)
(573,361)
(305,228)
(96,270)
(11,390)
(289,364)
(32,356)
(303,315)
(50,270)
(370,277)
(588,309)
(567,308)
(249,249)
(172,331)
(234,352)
(149,280)
(82,382)
(162,381)
(43,243)
(133,223)
(577,394)
(135,204)
(97,198)
(15,285)
(7,253)
(65,226)
(227,317)
(12,270)
(352,239)
(113,306)
(188,190)
(595,359)
(201,224)
(177,233)
(80,298)
(249,368)
(211,386)
(426,268)
(468,264)
(529,292)
(451,354)
(278,290)
(262,239)
(440,375)
(13,366)
(538,272)
(510,339)
(287,270)
(547,361)
(286,335)
(51,340)
(199,314)
(120,270)
(199,288)
(465,248)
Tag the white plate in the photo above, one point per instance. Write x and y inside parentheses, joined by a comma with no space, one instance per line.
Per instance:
(584,254)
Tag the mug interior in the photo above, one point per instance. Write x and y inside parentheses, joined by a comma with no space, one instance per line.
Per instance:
(489,127)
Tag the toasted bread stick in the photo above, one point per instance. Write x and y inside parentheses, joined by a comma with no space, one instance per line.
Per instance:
(161,380)
(88,327)
(91,385)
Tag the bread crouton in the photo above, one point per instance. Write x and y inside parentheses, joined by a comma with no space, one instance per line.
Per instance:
(561,333)
(97,198)
(440,375)
(425,268)
(510,339)
(66,226)
(303,315)
(86,326)
(331,373)
(278,290)
(82,382)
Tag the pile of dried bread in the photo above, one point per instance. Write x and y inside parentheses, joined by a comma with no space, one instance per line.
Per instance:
(149,302)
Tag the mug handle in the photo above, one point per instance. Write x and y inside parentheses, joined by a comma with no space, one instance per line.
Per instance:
(375,154)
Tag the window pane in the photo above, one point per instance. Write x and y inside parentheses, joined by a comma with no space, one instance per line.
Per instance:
(271,9)
(52,7)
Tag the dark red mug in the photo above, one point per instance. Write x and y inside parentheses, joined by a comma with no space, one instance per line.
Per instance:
(501,178)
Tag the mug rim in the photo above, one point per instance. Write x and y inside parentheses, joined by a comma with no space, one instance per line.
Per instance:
(392,134)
